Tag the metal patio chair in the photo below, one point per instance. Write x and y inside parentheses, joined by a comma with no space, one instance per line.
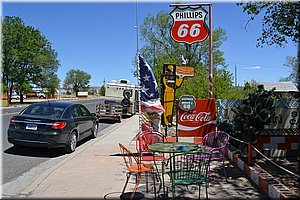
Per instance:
(187,169)
(216,143)
(134,165)
(145,139)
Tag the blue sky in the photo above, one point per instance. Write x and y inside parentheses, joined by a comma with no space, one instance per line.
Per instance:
(99,37)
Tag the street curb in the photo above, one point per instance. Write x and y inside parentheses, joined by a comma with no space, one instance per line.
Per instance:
(34,185)
(266,182)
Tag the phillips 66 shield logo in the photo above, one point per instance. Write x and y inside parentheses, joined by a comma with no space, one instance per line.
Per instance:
(189,25)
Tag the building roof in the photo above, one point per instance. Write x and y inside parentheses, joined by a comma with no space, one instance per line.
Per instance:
(280,86)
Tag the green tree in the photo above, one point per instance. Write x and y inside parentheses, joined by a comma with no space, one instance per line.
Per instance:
(77,80)
(48,77)
(292,63)
(27,54)
(279,24)
(155,32)
(102,90)
(53,85)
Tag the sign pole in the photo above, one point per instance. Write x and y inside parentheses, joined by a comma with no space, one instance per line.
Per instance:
(210,53)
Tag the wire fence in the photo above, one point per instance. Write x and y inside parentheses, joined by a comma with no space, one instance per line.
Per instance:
(265,157)
(281,173)
(288,177)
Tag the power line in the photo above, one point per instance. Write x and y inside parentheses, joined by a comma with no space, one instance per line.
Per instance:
(255,65)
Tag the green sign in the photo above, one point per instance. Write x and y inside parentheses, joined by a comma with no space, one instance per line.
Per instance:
(187,102)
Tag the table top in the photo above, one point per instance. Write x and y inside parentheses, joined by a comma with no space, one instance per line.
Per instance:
(172,147)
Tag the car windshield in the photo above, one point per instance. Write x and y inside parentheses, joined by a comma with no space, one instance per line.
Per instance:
(45,110)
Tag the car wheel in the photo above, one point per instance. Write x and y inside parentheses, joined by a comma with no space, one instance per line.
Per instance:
(71,145)
(94,131)
(119,119)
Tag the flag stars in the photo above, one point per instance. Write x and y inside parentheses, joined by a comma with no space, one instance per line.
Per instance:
(149,87)
(155,84)
(144,89)
(146,77)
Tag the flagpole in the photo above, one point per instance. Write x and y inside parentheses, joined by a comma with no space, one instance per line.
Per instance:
(138,68)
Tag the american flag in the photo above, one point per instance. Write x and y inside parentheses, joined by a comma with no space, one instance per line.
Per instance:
(150,101)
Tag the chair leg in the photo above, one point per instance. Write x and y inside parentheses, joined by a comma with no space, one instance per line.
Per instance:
(128,176)
(173,191)
(136,186)
(199,191)
(209,173)
(154,187)
(224,170)
(206,185)
(146,174)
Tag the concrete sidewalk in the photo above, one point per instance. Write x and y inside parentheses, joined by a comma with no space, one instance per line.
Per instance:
(91,172)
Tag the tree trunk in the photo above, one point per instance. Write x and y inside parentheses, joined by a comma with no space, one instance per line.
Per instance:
(21,98)
(10,92)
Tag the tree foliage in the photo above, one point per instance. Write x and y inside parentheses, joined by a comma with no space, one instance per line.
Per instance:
(292,63)
(77,80)
(27,57)
(102,90)
(280,21)
(161,49)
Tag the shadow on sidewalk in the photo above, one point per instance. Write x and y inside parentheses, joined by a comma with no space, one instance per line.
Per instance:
(39,151)
(35,152)
(125,196)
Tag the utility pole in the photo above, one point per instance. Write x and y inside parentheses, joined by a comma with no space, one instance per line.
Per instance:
(154,55)
(235,76)
(298,49)
(137,27)
(298,63)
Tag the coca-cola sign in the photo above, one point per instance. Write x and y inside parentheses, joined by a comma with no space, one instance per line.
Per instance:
(196,117)
(199,121)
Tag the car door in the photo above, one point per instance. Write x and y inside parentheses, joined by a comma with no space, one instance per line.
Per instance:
(88,121)
(79,121)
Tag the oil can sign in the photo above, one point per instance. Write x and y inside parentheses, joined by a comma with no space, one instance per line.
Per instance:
(189,24)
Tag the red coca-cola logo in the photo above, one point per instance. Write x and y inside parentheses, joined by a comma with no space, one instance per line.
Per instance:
(196,117)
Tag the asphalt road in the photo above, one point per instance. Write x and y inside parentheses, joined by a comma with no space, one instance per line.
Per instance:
(18,161)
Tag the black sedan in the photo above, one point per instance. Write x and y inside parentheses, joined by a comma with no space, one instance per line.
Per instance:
(52,124)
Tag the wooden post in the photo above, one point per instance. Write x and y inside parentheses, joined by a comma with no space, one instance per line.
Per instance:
(250,161)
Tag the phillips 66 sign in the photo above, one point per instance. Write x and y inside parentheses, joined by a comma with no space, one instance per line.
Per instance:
(189,24)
